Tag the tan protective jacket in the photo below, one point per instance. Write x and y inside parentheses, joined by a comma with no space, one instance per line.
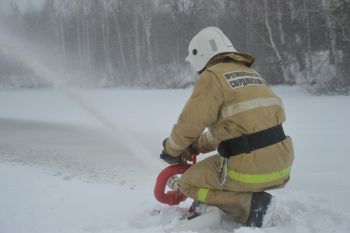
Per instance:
(231,99)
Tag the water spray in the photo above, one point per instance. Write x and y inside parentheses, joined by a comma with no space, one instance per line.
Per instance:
(22,53)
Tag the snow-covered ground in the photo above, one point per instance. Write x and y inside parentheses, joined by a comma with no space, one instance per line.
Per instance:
(64,168)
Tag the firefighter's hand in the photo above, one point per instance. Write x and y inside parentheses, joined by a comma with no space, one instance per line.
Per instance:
(171,159)
(191,150)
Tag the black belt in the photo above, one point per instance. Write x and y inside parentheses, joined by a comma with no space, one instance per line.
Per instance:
(250,142)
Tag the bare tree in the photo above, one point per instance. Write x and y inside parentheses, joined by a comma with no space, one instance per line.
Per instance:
(117,21)
(106,37)
(146,11)
(308,36)
(331,31)
(286,72)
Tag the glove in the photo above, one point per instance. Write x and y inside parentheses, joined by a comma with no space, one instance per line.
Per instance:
(168,158)
(171,159)
(190,151)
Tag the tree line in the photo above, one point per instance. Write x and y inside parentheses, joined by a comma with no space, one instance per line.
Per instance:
(144,42)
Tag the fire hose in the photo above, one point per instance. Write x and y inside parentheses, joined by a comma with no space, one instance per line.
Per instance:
(172,197)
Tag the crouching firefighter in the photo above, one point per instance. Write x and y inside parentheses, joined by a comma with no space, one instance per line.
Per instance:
(233,111)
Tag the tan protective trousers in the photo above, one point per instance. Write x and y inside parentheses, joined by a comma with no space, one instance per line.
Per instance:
(204,175)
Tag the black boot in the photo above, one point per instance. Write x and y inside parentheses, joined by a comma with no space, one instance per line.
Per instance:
(259,206)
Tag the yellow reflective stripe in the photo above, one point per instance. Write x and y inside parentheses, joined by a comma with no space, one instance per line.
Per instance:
(202,194)
(258,178)
(247,105)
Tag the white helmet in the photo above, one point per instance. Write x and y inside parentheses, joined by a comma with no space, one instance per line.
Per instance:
(206,44)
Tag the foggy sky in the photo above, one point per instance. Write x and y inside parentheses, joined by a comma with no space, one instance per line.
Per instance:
(5,4)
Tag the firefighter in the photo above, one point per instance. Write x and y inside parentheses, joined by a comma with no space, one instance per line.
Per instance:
(231,110)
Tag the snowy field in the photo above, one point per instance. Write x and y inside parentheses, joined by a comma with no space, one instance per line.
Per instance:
(68,169)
